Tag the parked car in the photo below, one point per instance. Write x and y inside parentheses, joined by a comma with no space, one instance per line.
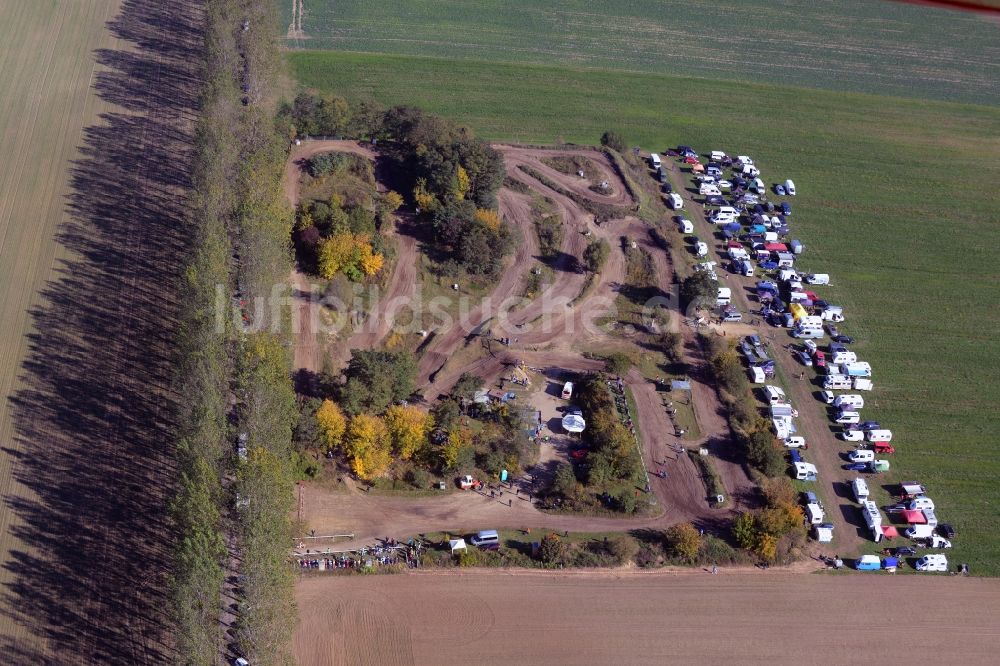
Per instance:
(786,208)
(667,188)
(810,346)
(831,330)
(819,358)
(691,159)
(804,358)
(779,189)
(827,396)
(870,425)
(856,467)
(724,185)
(904,551)
(795,442)
(843,339)
(946,530)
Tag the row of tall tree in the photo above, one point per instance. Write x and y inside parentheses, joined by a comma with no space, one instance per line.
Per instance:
(237,209)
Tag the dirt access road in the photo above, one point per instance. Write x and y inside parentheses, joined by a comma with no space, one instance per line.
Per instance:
(633,617)
(310,341)
(812,423)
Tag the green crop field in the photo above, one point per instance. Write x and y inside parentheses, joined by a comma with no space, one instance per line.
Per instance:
(897,200)
(860,45)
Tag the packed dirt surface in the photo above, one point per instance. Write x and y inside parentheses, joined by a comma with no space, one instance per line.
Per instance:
(635,617)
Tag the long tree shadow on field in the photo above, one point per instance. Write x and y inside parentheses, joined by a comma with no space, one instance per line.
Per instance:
(94,466)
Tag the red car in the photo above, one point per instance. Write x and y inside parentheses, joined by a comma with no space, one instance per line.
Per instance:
(691,160)
(819,359)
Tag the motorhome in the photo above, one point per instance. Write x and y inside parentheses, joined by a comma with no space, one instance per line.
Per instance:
(849,400)
(775,395)
(567,391)
(862,384)
(654,161)
(805,471)
(860,489)
(879,435)
(836,382)
(856,369)
(674,201)
(685,226)
(932,562)
(724,296)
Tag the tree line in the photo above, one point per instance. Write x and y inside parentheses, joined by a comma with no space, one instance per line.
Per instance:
(241,229)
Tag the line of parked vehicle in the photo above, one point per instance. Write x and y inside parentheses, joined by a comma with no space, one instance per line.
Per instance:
(788,302)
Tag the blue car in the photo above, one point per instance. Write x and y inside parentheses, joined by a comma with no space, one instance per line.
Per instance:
(786,209)
(779,189)
(795,456)
(857,467)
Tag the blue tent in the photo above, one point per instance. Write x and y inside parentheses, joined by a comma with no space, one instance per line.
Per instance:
(733,227)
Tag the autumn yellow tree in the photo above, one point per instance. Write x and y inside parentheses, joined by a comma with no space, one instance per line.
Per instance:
(369,446)
(461,184)
(335,253)
(332,423)
(425,200)
(391,201)
(489,218)
(459,441)
(371,262)
(408,427)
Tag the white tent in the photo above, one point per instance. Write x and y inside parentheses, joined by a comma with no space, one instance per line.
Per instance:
(457,544)
(573,423)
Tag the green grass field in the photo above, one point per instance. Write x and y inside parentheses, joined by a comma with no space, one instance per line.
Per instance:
(897,200)
(861,45)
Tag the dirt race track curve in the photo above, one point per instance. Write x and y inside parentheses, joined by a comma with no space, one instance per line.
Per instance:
(633,617)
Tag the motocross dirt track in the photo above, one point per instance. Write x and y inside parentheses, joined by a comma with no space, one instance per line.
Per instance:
(547,332)
(634,617)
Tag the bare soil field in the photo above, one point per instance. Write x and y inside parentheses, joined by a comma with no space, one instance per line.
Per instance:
(634,617)
(92,224)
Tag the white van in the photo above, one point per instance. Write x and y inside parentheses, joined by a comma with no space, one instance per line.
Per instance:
(861,384)
(836,382)
(701,249)
(848,417)
(717,155)
(685,226)
(775,395)
(851,400)
(744,267)
(860,489)
(654,160)
(757,375)
(818,278)
(790,188)
(932,562)
(727,212)
(852,436)
(486,539)
(724,296)
(861,455)
(880,435)
(919,532)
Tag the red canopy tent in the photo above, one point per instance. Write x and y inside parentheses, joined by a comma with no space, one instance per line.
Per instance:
(914,517)
(890,531)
